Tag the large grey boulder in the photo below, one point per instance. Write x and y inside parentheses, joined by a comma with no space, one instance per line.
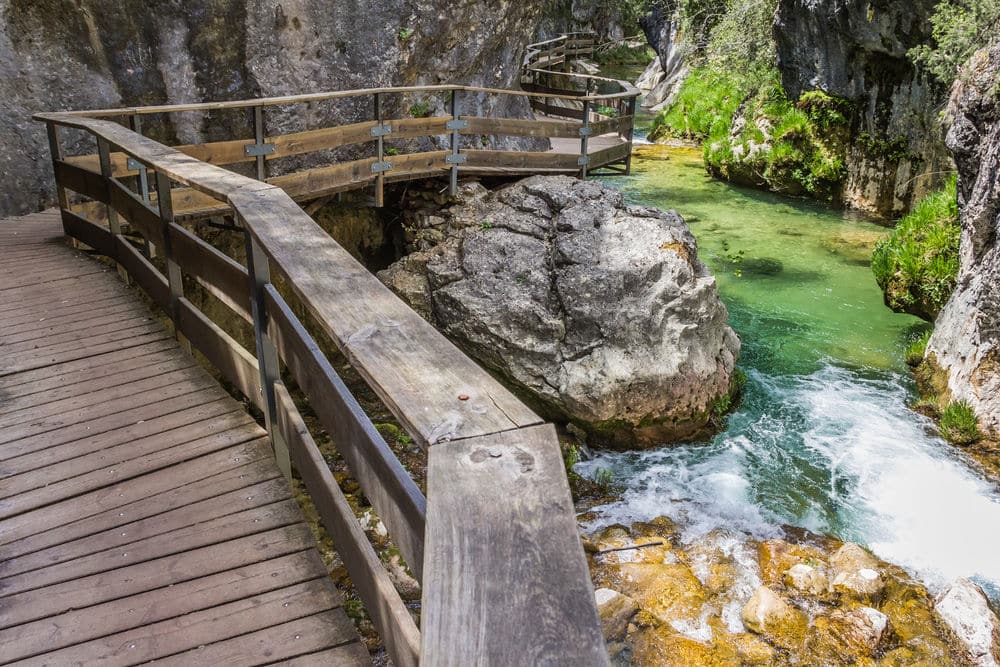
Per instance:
(600,311)
(964,610)
(966,339)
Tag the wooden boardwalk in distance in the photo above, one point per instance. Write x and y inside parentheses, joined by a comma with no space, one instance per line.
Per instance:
(142,514)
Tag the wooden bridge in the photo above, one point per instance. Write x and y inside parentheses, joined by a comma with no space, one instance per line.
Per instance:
(144,514)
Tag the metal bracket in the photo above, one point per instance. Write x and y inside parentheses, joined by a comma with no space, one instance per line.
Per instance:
(456,159)
(583,160)
(586,131)
(381,131)
(254,150)
(456,124)
(133,164)
(379,167)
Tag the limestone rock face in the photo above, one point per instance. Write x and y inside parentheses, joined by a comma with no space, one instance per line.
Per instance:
(601,312)
(858,51)
(963,609)
(60,54)
(966,339)
(616,611)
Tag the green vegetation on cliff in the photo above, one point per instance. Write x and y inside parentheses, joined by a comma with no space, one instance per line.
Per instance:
(959,27)
(916,266)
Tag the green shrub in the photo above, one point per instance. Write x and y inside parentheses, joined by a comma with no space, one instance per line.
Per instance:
(405,33)
(917,265)
(959,28)
(958,423)
(610,112)
(420,110)
(917,348)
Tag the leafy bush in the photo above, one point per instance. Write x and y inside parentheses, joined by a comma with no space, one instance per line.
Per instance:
(959,28)
(704,106)
(917,348)
(958,423)
(917,265)
(420,110)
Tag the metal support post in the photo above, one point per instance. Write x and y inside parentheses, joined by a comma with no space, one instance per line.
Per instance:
(380,166)
(585,132)
(267,354)
(455,159)
(631,133)
(259,148)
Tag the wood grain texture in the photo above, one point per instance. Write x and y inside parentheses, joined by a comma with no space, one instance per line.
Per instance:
(505,579)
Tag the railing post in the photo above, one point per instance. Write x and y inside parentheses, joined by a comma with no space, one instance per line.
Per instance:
(174,278)
(585,131)
(135,124)
(258,135)
(455,124)
(114,225)
(380,165)
(55,150)
(631,133)
(267,354)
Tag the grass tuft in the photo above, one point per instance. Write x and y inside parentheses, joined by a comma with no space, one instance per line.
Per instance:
(958,423)
(917,348)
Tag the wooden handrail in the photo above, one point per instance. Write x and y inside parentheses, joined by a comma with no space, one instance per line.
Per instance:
(495,538)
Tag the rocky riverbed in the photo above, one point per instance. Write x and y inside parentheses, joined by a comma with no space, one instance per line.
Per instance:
(807,600)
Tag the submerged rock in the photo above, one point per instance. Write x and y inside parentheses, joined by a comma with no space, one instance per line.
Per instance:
(966,339)
(847,637)
(616,612)
(856,573)
(601,312)
(769,615)
(964,610)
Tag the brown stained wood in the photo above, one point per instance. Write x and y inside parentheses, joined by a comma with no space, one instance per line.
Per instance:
(202,628)
(103,332)
(80,317)
(87,183)
(95,502)
(520,127)
(206,533)
(609,155)
(134,579)
(502,544)
(413,368)
(151,508)
(31,356)
(349,655)
(122,471)
(29,278)
(142,271)
(76,626)
(387,485)
(304,635)
(223,505)
(220,272)
(65,294)
(321,139)
(384,606)
(135,212)
(520,160)
(50,330)
(129,419)
(322,181)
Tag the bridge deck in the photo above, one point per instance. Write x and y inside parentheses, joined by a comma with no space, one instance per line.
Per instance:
(142,515)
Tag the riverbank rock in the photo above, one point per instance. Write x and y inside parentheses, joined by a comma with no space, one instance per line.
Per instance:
(964,610)
(848,637)
(966,338)
(767,614)
(599,312)
(856,573)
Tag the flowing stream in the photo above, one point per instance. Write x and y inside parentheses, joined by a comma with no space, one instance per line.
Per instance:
(823,438)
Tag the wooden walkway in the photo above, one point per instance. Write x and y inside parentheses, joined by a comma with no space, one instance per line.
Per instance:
(142,515)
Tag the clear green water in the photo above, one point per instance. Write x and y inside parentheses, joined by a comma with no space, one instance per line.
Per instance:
(823,439)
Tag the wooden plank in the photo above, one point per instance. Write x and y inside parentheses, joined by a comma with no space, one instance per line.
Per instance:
(142,271)
(88,183)
(80,625)
(121,536)
(36,279)
(122,471)
(87,407)
(64,294)
(95,502)
(231,359)
(520,160)
(129,419)
(70,372)
(387,485)
(123,312)
(67,310)
(154,505)
(52,291)
(414,369)
(147,576)
(349,655)
(326,180)
(609,155)
(222,275)
(322,139)
(418,163)
(520,127)
(230,527)
(502,544)
(305,635)
(46,465)
(106,342)
(158,640)
(140,215)
(103,331)
(387,611)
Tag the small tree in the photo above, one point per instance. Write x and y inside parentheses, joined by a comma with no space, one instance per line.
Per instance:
(959,28)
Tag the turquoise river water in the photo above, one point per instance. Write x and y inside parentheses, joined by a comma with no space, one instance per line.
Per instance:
(823,438)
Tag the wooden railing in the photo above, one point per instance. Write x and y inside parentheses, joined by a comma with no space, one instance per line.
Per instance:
(494,544)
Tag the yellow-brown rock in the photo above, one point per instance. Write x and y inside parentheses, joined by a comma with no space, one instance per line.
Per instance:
(771,616)
(777,556)
(847,637)
(667,592)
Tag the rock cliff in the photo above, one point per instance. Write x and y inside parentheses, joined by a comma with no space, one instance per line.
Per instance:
(857,50)
(966,339)
(73,54)
(601,312)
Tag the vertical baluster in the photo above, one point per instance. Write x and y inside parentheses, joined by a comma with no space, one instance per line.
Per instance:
(631,132)
(258,134)
(174,277)
(267,354)
(584,136)
(55,150)
(456,124)
(135,124)
(114,224)
(380,174)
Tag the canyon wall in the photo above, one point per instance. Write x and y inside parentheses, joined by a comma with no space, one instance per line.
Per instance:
(79,54)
